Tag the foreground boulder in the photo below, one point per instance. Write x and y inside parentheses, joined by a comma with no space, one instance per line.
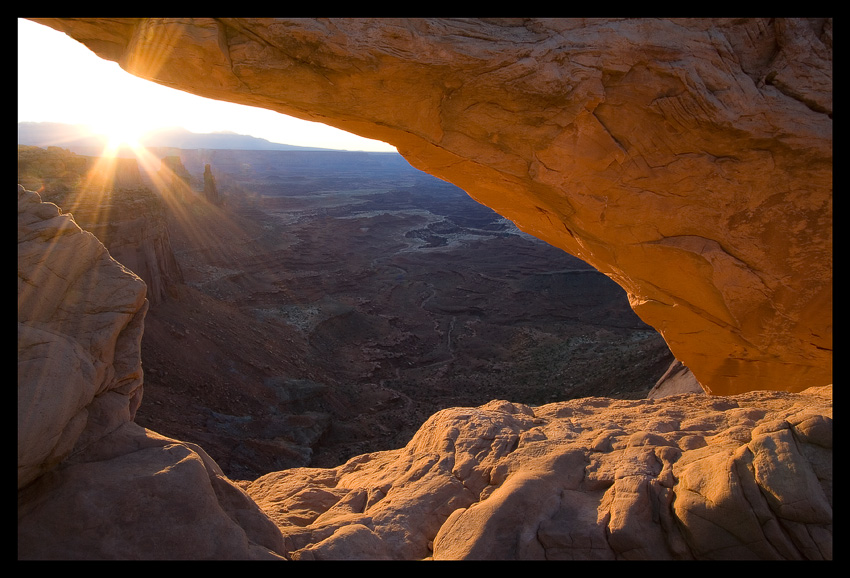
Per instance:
(684,477)
(688,159)
(80,323)
(91,483)
(136,495)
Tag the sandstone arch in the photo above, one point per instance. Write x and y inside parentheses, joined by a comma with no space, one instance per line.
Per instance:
(690,160)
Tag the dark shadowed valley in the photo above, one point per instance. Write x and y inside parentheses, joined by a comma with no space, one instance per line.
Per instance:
(234,349)
(337,300)
(327,303)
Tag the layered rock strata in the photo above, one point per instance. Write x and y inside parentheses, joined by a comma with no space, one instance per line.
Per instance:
(688,159)
(132,225)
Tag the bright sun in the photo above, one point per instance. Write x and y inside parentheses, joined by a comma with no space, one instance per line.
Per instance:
(121,132)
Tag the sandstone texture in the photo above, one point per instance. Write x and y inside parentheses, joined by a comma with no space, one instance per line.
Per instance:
(686,477)
(688,159)
(132,225)
(80,322)
(109,198)
(676,380)
(681,477)
(91,482)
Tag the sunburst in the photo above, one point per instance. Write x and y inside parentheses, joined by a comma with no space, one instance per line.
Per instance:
(121,132)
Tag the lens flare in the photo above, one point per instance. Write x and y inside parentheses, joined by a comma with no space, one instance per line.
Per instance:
(120,134)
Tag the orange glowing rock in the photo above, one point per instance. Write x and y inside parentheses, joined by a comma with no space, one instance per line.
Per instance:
(688,159)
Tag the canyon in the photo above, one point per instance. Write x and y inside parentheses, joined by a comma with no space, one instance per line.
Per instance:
(322,305)
(689,161)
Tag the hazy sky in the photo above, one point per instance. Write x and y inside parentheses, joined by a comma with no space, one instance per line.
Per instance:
(60,80)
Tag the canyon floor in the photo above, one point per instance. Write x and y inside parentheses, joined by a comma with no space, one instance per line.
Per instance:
(330,308)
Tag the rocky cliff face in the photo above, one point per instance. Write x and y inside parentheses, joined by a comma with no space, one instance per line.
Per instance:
(80,319)
(51,170)
(82,461)
(107,197)
(174,178)
(683,477)
(136,236)
(688,159)
(210,188)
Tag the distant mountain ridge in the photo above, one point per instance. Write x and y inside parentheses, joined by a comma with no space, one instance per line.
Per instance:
(82,140)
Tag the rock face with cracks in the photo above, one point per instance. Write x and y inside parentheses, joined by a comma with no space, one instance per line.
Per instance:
(93,484)
(681,477)
(688,159)
(687,477)
(80,319)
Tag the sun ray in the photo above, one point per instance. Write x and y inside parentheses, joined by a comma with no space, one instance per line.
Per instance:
(121,133)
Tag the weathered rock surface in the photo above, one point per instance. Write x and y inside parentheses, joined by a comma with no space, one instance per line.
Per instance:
(108,198)
(691,476)
(80,319)
(688,159)
(136,235)
(91,483)
(137,495)
(677,380)
(686,477)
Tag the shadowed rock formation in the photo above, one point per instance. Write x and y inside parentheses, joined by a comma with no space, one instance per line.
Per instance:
(121,491)
(688,159)
(174,178)
(682,477)
(107,197)
(210,188)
